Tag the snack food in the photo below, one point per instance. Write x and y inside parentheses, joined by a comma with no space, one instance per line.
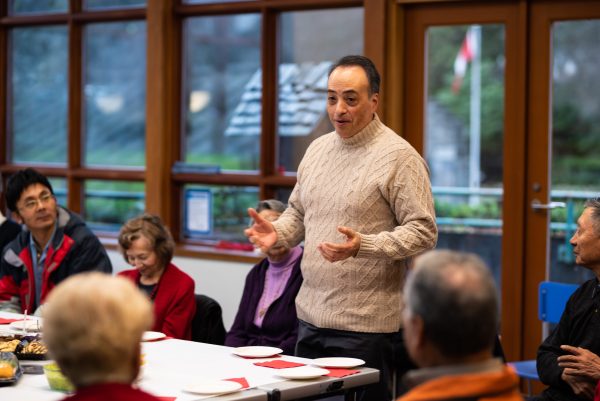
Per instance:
(9,346)
(34,347)
(6,370)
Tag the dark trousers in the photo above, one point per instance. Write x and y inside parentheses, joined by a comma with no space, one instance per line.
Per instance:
(376,349)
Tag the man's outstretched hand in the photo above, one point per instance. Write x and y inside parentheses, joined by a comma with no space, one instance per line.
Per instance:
(334,252)
(261,234)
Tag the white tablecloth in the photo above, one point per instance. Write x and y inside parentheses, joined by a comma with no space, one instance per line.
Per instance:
(170,365)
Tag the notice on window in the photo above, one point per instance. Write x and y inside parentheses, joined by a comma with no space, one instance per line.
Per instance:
(198,212)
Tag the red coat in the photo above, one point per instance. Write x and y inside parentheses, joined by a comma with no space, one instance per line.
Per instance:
(110,391)
(174,301)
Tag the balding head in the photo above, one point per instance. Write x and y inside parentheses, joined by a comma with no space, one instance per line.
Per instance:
(454,296)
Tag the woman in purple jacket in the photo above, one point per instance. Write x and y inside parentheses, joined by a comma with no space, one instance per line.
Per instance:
(267,312)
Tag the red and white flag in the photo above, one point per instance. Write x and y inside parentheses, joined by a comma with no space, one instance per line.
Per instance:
(467,52)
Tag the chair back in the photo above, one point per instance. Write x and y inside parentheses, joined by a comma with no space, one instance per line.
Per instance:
(552,300)
(207,324)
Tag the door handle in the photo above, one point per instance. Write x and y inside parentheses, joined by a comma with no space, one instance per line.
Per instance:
(537,205)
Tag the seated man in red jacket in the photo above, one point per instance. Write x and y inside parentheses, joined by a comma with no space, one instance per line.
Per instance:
(55,245)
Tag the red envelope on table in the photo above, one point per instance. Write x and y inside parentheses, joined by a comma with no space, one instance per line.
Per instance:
(7,321)
(241,380)
(279,364)
(341,372)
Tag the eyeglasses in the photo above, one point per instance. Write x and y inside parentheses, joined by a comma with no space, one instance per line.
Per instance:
(44,199)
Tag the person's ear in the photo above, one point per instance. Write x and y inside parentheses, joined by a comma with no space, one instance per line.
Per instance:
(375,101)
(17,217)
(418,332)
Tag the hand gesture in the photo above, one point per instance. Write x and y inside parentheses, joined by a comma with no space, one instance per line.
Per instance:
(262,233)
(582,387)
(581,362)
(335,252)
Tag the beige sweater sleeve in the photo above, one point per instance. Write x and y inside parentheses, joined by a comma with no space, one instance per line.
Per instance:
(408,191)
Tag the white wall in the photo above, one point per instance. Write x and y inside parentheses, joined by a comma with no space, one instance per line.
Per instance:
(223,281)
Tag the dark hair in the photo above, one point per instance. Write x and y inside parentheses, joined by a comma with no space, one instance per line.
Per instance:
(19,182)
(455,295)
(366,64)
(594,204)
(151,228)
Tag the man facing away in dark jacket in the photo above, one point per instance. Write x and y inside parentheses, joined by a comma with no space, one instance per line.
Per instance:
(54,245)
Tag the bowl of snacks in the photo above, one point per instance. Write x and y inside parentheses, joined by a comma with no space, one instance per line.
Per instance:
(10,371)
(32,348)
(56,379)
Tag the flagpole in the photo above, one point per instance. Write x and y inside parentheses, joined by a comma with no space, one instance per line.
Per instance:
(475,117)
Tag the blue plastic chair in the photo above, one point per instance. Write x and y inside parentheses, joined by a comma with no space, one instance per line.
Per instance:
(551,303)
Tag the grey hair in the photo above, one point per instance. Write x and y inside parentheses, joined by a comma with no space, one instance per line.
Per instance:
(93,325)
(455,296)
(594,204)
(271,204)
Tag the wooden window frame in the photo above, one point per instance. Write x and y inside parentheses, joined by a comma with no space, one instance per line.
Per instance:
(164,108)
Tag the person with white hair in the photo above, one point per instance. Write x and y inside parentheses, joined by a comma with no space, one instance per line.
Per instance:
(450,322)
(568,361)
(93,326)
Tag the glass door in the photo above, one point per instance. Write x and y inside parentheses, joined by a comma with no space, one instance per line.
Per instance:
(462,112)
(564,135)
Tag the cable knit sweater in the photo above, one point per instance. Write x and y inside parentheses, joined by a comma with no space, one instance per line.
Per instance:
(377,184)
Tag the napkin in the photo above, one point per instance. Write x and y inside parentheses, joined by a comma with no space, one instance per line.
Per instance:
(341,372)
(279,364)
(7,321)
(241,380)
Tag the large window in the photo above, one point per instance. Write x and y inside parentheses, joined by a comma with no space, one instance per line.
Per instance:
(75,101)
(464,136)
(242,136)
(133,105)
(115,94)
(16,7)
(304,66)
(37,114)
(223,91)
(575,137)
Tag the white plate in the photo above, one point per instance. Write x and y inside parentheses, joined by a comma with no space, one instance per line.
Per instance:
(153,335)
(213,387)
(256,351)
(302,372)
(32,326)
(338,362)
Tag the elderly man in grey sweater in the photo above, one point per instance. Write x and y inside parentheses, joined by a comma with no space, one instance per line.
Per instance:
(363,206)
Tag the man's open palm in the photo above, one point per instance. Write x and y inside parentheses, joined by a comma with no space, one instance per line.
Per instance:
(261,234)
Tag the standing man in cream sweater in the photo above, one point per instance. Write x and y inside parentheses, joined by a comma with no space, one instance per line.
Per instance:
(363,206)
